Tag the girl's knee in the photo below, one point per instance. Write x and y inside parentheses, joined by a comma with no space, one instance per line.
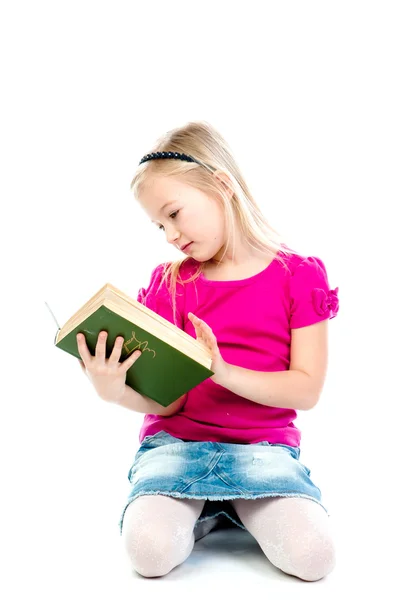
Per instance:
(155,545)
(154,553)
(311,561)
(157,557)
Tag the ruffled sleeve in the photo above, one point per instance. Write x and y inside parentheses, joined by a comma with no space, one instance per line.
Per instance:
(158,298)
(311,299)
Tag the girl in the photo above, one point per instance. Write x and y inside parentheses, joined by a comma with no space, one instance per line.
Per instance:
(227,452)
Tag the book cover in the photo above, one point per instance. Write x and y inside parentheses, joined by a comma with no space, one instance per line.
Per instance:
(162,372)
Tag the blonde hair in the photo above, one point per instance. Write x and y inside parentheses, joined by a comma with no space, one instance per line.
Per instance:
(204,143)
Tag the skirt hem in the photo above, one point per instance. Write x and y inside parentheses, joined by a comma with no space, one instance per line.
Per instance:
(253,496)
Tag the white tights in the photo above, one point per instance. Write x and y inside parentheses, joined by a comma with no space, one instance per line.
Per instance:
(293,533)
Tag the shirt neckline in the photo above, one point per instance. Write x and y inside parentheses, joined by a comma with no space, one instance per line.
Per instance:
(240,282)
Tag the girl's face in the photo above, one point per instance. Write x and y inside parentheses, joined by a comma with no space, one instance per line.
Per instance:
(186,215)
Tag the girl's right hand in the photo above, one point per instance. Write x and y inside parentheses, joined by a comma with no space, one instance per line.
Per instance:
(108,376)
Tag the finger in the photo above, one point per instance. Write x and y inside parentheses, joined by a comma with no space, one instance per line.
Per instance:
(83,349)
(116,351)
(100,350)
(209,338)
(205,331)
(195,320)
(197,327)
(202,325)
(197,323)
(208,332)
(200,328)
(199,333)
(128,362)
(206,327)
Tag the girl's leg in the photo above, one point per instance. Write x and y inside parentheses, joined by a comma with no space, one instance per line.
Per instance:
(158,532)
(293,534)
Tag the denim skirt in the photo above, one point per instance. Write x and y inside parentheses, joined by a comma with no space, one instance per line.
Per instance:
(217,472)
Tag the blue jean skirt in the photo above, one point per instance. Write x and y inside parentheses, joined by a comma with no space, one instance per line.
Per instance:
(217,472)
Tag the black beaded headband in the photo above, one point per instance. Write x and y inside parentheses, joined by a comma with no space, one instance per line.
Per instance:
(177,155)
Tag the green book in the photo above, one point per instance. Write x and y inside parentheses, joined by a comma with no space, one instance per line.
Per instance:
(171,362)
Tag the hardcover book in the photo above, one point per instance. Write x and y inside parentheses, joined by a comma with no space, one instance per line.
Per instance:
(171,361)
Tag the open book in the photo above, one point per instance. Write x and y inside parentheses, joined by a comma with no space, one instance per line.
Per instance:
(172,362)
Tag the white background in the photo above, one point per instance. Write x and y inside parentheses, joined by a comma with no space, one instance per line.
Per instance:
(307,96)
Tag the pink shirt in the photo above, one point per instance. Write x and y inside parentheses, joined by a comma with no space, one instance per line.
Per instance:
(251,319)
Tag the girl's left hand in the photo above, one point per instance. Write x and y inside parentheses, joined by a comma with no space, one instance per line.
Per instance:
(205,335)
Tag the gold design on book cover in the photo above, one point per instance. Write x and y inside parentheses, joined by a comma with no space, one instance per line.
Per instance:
(138,346)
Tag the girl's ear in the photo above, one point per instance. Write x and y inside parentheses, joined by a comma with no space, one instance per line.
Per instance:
(225,180)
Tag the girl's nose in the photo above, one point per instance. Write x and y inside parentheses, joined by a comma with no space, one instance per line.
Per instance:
(172,237)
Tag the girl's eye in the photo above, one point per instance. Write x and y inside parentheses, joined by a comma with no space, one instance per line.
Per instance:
(171,215)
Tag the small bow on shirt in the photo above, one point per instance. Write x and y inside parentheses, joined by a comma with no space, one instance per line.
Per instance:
(324,302)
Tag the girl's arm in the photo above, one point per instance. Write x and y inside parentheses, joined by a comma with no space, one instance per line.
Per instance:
(142,404)
(300,386)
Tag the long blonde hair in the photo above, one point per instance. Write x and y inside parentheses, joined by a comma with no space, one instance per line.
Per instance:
(204,143)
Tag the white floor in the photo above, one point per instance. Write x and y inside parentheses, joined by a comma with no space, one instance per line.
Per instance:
(232,561)
(69,563)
